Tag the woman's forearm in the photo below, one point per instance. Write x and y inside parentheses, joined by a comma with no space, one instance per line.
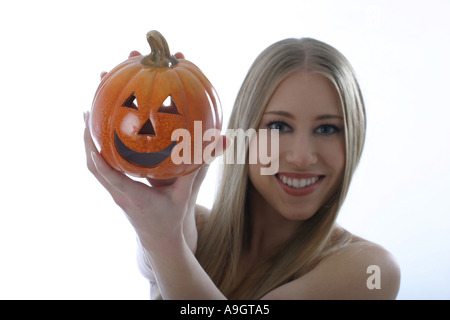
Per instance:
(179,274)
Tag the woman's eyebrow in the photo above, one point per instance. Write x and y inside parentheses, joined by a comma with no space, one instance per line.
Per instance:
(321,117)
(280,113)
(329,116)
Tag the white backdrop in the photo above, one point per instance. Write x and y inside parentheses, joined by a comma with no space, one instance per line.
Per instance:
(61,235)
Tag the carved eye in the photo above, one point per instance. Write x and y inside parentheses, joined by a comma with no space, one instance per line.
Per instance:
(131,102)
(169,106)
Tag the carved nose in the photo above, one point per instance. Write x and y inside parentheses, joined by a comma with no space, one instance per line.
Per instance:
(147,128)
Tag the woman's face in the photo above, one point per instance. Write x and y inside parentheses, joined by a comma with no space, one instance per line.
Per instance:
(305,108)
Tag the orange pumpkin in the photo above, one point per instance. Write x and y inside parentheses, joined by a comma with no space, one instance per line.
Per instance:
(142,101)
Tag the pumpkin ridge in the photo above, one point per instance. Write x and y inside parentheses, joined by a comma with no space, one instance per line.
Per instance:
(180,81)
(185,83)
(110,75)
(210,91)
(115,70)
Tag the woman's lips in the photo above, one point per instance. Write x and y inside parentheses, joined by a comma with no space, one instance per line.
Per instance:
(299,184)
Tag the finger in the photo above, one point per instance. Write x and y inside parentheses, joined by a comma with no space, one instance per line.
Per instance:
(118,184)
(179,55)
(194,180)
(183,186)
(91,154)
(113,178)
(134,53)
(103,74)
(124,190)
(158,183)
(89,148)
(89,144)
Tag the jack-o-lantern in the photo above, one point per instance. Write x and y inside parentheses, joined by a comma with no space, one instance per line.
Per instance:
(140,103)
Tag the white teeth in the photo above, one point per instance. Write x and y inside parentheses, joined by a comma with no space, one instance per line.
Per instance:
(298,183)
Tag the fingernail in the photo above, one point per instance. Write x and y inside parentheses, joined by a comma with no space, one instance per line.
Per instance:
(86,118)
(179,55)
(94,156)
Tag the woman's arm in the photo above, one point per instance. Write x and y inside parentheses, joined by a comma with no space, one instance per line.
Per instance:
(164,220)
(179,275)
(143,258)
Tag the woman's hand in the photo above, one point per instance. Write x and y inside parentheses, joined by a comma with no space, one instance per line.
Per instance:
(159,213)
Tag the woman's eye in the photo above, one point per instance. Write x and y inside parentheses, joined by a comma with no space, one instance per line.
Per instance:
(327,129)
(279,125)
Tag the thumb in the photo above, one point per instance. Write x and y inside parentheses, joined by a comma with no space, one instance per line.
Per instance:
(201,174)
(182,187)
(161,182)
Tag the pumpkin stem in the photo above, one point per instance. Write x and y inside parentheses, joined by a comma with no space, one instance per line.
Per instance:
(160,54)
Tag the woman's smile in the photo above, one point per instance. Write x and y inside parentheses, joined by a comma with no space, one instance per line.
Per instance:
(299,184)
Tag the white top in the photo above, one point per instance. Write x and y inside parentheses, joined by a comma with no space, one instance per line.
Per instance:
(146,270)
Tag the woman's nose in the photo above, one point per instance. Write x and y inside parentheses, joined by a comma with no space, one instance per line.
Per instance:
(302,153)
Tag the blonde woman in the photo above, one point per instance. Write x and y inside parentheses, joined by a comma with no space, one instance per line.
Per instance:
(267,236)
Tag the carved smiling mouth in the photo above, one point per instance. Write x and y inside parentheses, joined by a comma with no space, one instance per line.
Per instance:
(144,159)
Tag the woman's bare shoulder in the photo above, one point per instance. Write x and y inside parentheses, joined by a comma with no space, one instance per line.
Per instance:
(360,269)
(367,263)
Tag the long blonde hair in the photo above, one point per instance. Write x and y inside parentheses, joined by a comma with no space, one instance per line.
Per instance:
(222,238)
